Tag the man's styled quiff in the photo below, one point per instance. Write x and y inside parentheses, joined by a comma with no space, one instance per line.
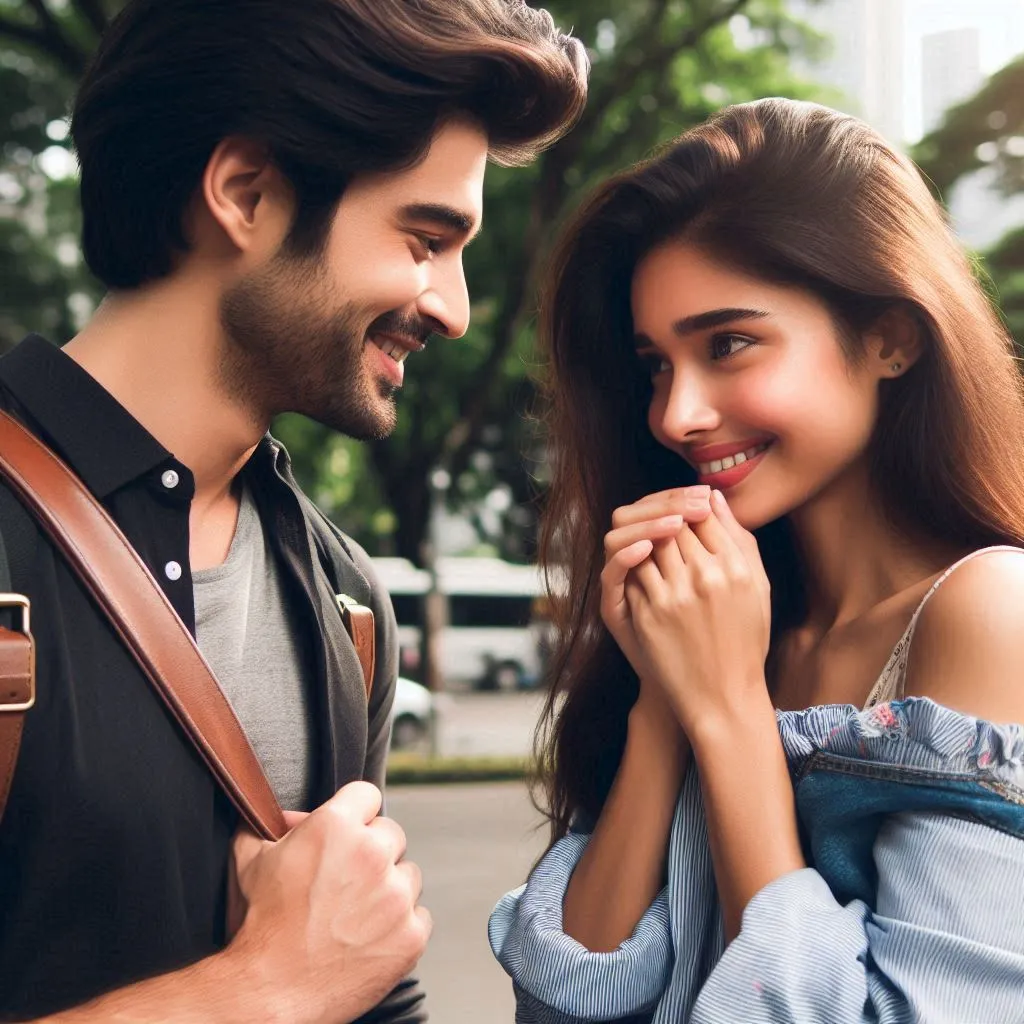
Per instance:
(334,88)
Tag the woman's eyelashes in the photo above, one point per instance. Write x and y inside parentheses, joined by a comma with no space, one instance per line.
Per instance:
(720,347)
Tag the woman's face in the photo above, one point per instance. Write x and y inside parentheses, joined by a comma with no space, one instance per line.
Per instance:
(751,386)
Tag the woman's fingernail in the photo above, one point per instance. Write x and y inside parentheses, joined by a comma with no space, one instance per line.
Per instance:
(698,490)
(673,522)
(719,499)
(697,504)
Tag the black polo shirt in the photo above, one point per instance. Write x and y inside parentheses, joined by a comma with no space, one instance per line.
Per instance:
(115,843)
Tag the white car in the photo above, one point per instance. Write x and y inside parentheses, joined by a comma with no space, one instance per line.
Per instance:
(410,715)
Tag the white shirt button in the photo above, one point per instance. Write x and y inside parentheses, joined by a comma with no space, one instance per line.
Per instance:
(172,570)
(170,479)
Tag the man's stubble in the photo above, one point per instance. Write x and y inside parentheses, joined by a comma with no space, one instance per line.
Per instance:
(288,350)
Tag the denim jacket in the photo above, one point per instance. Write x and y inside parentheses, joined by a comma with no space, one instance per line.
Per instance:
(912,817)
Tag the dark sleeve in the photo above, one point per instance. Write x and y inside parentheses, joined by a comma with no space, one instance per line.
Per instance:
(405,1005)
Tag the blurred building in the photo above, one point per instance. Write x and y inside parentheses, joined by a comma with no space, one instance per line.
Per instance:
(950,72)
(901,64)
(866,59)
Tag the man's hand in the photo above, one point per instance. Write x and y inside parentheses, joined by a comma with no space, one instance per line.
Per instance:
(328,916)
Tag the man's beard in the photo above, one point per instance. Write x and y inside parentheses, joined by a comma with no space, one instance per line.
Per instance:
(288,351)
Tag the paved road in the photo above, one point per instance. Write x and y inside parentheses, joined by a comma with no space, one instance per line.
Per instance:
(474,843)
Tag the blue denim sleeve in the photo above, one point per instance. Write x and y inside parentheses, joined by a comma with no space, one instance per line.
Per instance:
(559,981)
(942,943)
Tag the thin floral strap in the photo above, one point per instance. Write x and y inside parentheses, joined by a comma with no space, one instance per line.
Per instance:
(891,684)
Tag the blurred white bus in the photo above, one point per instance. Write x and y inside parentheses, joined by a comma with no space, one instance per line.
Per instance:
(492,638)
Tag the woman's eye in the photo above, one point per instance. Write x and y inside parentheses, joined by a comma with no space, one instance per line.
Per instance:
(725,345)
(656,364)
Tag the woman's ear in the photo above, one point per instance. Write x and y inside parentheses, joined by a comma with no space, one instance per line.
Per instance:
(894,342)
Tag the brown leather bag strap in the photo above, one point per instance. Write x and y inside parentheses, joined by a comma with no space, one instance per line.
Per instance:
(145,620)
(17,693)
(359,622)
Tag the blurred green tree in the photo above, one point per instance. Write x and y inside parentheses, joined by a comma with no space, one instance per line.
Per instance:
(659,66)
(985,134)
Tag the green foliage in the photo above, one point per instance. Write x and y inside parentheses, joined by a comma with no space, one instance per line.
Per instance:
(986,132)
(659,67)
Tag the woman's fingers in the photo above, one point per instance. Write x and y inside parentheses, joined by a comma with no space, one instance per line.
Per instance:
(692,503)
(668,560)
(691,548)
(743,539)
(649,578)
(653,529)
(613,577)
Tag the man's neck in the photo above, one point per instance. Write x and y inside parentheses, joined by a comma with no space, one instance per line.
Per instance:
(157,351)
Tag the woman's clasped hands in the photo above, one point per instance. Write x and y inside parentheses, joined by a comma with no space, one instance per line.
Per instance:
(686,597)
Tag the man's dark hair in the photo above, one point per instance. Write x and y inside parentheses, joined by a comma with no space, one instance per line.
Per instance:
(333,88)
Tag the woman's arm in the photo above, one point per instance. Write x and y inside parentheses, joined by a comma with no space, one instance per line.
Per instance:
(942,940)
(623,867)
(748,805)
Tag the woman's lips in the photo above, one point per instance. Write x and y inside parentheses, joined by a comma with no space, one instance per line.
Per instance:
(729,469)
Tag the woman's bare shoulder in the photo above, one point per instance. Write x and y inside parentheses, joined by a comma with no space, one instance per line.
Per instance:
(968,647)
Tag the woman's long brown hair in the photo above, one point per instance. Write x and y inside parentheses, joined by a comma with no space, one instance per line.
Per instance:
(796,194)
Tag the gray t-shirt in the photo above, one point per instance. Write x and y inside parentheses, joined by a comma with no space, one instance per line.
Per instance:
(249,639)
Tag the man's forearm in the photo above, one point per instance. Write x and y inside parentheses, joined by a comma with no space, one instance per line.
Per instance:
(222,989)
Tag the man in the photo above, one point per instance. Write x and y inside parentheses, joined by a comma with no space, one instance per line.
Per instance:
(277,196)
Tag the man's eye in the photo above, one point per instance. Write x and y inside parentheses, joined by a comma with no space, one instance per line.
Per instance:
(725,345)
(432,245)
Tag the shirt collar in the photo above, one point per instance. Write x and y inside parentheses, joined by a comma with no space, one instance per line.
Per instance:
(101,441)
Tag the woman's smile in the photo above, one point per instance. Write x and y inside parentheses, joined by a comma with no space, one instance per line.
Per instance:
(724,465)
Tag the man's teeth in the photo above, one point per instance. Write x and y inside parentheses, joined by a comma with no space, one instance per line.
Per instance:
(717,465)
(389,348)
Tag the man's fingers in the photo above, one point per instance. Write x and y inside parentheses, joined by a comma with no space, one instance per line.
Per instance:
(391,835)
(360,801)
(413,878)
(293,818)
(425,920)
(247,846)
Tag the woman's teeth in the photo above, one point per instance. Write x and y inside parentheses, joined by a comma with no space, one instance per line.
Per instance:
(389,348)
(717,465)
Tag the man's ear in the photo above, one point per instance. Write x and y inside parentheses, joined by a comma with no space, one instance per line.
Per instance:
(894,342)
(245,196)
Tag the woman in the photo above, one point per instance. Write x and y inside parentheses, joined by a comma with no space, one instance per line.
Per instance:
(767,804)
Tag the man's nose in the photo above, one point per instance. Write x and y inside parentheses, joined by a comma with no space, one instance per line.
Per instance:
(446,301)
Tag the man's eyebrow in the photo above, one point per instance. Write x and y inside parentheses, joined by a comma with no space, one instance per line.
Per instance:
(705,321)
(443,216)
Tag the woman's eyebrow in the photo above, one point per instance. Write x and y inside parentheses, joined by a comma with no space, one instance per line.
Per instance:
(716,318)
(704,321)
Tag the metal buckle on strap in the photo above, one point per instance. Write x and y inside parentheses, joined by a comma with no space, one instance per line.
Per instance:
(22,602)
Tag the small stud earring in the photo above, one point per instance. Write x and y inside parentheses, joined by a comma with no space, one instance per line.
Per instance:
(896,367)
